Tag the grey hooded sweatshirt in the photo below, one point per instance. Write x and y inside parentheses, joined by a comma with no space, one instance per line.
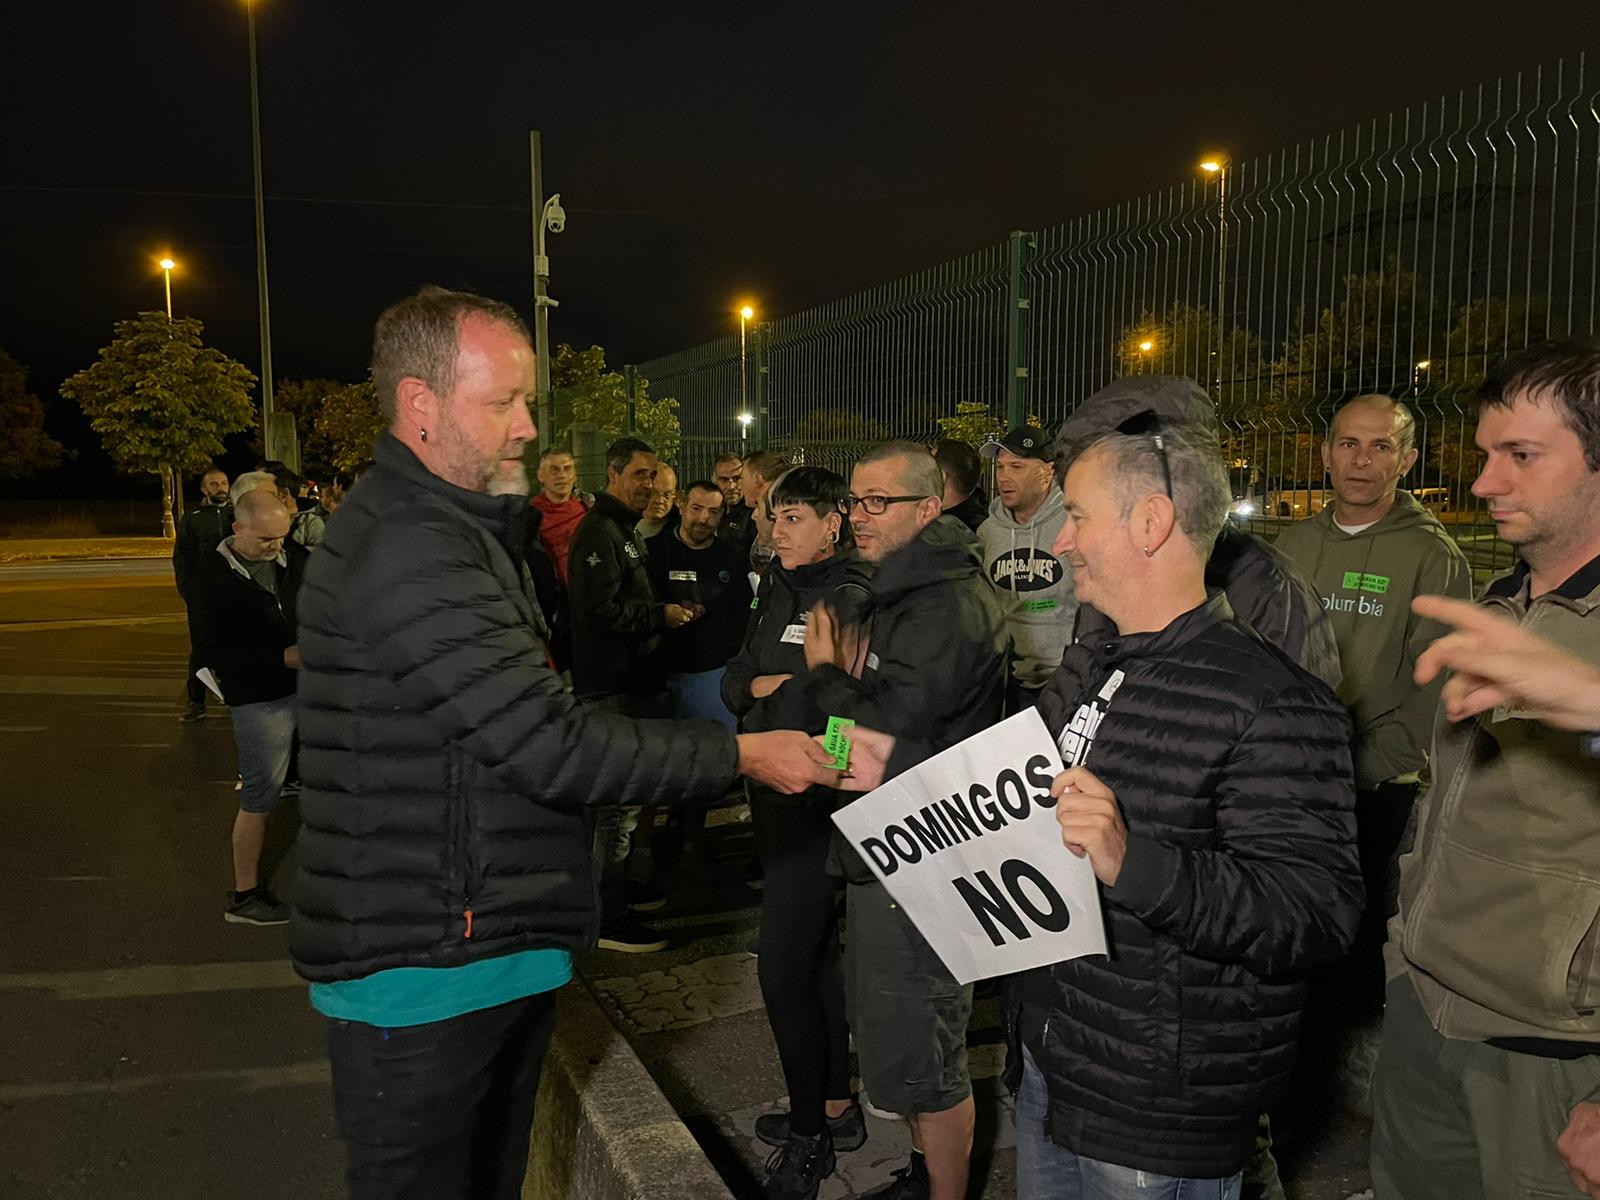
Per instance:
(1034,586)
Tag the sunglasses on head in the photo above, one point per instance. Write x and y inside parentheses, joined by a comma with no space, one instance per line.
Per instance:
(1148,424)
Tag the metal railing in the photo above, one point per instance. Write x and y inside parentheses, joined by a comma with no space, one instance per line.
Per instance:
(1403,255)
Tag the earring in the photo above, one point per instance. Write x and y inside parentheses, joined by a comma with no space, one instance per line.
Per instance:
(423,434)
(1148,552)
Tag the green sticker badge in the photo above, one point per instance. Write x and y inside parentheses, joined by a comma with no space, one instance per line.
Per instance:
(1355,581)
(836,741)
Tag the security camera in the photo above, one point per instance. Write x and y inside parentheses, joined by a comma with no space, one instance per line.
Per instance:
(555,217)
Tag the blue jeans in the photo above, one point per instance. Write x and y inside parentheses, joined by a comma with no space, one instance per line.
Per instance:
(1046,1171)
(263,733)
(700,695)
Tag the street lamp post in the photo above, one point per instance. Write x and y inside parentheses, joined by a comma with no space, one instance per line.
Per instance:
(547,215)
(1217,164)
(745,314)
(261,246)
(166,266)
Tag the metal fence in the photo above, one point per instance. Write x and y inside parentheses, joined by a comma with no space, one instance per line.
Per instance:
(1402,255)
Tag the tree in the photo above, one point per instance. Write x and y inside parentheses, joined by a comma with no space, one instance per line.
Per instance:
(162,401)
(974,423)
(348,423)
(303,399)
(585,392)
(25,448)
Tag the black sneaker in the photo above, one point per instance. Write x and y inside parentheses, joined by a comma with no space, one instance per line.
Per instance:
(642,897)
(797,1168)
(259,907)
(848,1130)
(629,935)
(195,712)
(910,1182)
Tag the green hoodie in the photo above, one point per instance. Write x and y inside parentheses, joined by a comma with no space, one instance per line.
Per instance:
(1366,581)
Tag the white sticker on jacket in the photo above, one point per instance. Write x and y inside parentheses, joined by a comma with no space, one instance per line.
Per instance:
(872,661)
(794,635)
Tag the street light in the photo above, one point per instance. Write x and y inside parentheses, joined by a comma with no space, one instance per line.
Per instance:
(744,428)
(746,313)
(166,264)
(1417,373)
(1217,164)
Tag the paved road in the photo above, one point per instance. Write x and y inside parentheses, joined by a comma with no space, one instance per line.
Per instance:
(150,1049)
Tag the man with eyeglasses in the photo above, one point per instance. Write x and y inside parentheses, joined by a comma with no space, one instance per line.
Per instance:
(932,671)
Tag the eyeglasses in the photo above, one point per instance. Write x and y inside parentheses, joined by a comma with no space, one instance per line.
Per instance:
(1145,424)
(877,505)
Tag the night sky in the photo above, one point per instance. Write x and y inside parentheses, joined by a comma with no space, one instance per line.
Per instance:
(705,153)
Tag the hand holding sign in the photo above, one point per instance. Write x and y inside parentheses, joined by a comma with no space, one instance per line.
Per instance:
(1091,822)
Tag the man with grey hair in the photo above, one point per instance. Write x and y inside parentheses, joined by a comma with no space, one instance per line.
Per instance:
(444,877)
(249,482)
(1218,818)
(933,672)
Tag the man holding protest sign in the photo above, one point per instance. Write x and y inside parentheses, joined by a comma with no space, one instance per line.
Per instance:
(1208,783)
(1219,818)
(934,671)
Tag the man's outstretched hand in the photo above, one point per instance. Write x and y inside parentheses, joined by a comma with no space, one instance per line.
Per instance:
(869,760)
(1498,662)
(785,760)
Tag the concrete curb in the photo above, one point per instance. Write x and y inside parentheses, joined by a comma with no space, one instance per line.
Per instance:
(602,1130)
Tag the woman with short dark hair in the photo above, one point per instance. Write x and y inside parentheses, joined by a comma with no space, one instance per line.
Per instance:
(799,968)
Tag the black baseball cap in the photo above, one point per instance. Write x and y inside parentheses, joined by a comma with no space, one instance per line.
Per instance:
(1174,400)
(1025,441)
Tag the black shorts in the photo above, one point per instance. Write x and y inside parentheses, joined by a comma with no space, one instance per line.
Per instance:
(908,1014)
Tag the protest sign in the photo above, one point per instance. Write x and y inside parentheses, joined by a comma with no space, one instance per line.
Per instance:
(967,844)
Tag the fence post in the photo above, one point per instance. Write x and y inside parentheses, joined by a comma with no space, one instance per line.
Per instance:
(763,379)
(1019,327)
(630,377)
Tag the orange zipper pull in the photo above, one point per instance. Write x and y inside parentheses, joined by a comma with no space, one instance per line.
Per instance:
(469,923)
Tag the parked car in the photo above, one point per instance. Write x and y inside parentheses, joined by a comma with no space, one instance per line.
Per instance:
(1298,500)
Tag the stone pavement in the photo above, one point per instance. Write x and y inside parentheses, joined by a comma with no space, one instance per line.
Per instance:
(693,1014)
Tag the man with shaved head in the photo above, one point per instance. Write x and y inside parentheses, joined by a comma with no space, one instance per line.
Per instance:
(199,532)
(932,672)
(1368,554)
(244,614)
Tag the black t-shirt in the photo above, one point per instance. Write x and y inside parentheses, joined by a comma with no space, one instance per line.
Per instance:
(717,577)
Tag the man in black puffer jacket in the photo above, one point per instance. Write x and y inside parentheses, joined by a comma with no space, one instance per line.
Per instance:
(444,877)
(1209,783)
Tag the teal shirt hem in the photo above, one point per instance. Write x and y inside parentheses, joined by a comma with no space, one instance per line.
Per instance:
(417,995)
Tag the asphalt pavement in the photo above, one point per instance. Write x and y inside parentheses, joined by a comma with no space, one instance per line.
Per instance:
(150,1050)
